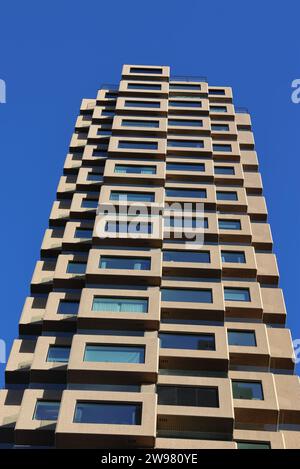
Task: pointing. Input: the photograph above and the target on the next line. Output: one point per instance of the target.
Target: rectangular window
(130, 263)
(104, 132)
(106, 412)
(46, 410)
(233, 256)
(219, 147)
(247, 390)
(179, 222)
(230, 224)
(99, 153)
(228, 195)
(236, 294)
(185, 167)
(188, 396)
(89, 203)
(216, 91)
(224, 170)
(186, 295)
(139, 123)
(253, 445)
(138, 145)
(68, 307)
(142, 86)
(58, 354)
(114, 354)
(241, 338)
(132, 196)
(83, 233)
(218, 108)
(120, 305)
(146, 71)
(186, 256)
(150, 104)
(220, 127)
(184, 86)
(185, 104)
(185, 123)
(94, 177)
(187, 341)
(76, 267)
(185, 143)
(107, 113)
(134, 169)
(192, 193)
(128, 227)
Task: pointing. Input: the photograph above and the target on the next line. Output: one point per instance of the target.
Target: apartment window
(220, 127)
(104, 132)
(178, 222)
(142, 86)
(106, 412)
(185, 86)
(46, 410)
(114, 354)
(128, 227)
(68, 307)
(132, 196)
(185, 103)
(247, 390)
(192, 193)
(218, 109)
(109, 95)
(99, 152)
(228, 195)
(185, 123)
(58, 354)
(253, 445)
(224, 170)
(146, 71)
(120, 305)
(186, 256)
(139, 123)
(94, 177)
(130, 263)
(89, 203)
(230, 224)
(237, 294)
(76, 267)
(83, 233)
(185, 143)
(215, 91)
(186, 295)
(138, 145)
(187, 341)
(107, 113)
(134, 169)
(188, 396)
(241, 338)
(185, 167)
(223, 148)
(151, 104)
(233, 256)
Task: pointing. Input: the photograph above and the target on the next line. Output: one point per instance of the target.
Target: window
(139, 123)
(185, 167)
(233, 256)
(253, 445)
(219, 147)
(193, 193)
(46, 410)
(94, 177)
(105, 412)
(76, 267)
(99, 152)
(242, 338)
(114, 354)
(120, 305)
(134, 169)
(247, 390)
(130, 263)
(150, 104)
(89, 203)
(83, 233)
(185, 123)
(156, 71)
(107, 113)
(132, 196)
(185, 103)
(68, 307)
(185, 143)
(58, 354)
(229, 224)
(188, 396)
(227, 195)
(138, 145)
(236, 294)
(185, 86)
(220, 127)
(142, 86)
(224, 170)
(186, 295)
(187, 341)
(216, 91)
(218, 108)
(103, 132)
(128, 227)
(186, 256)
(179, 222)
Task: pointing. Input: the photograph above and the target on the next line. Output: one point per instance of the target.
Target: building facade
(155, 319)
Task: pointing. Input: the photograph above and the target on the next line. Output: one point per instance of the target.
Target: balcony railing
(109, 86)
(188, 78)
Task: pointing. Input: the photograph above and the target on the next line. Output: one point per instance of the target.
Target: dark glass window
(187, 341)
(185, 86)
(89, 203)
(227, 195)
(139, 123)
(128, 227)
(94, 177)
(218, 108)
(142, 86)
(247, 390)
(131, 263)
(151, 104)
(186, 295)
(138, 145)
(186, 256)
(188, 396)
(220, 127)
(146, 71)
(108, 413)
(132, 196)
(219, 147)
(185, 143)
(46, 410)
(134, 169)
(58, 354)
(83, 233)
(185, 103)
(253, 445)
(185, 123)
(76, 267)
(185, 167)
(233, 256)
(224, 170)
(193, 193)
(68, 307)
(179, 222)
(236, 294)
(242, 338)
(229, 224)
(216, 91)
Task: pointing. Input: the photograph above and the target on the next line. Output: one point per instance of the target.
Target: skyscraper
(155, 319)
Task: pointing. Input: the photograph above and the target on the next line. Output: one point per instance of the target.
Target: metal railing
(109, 86)
(188, 78)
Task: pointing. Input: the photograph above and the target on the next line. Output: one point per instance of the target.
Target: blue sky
(55, 53)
